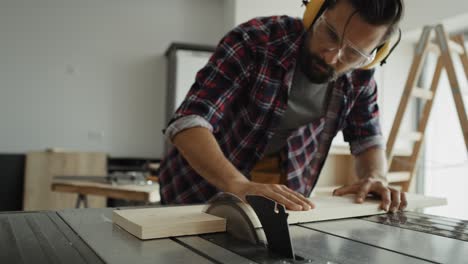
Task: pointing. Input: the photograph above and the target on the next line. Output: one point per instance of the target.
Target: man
(274, 88)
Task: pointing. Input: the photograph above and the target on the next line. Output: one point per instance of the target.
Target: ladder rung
(422, 93)
(398, 176)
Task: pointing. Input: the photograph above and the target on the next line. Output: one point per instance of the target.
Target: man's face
(328, 53)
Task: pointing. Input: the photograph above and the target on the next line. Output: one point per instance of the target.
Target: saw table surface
(89, 236)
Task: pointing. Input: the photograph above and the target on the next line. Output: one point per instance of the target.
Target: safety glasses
(348, 53)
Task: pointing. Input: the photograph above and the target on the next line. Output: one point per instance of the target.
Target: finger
(385, 196)
(363, 191)
(307, 204)
(404, 201)
(396, 200)
(347, 189)
(290, 205)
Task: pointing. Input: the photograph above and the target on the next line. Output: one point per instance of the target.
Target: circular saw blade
(238, 222)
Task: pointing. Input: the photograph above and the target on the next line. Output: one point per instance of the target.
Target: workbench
(89, 236)
(133, 192)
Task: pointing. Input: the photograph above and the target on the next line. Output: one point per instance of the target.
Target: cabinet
(42, 166)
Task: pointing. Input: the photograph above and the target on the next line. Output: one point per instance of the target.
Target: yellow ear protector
(315, 8)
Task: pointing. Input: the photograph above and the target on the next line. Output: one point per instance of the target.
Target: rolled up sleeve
(359, 146)
(184, 123)
(219, 82)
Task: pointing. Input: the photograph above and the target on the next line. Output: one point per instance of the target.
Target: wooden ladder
(402, 169)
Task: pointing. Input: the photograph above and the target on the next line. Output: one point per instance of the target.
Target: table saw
(89, 236)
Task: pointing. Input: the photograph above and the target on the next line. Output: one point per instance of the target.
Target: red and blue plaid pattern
(242, 92)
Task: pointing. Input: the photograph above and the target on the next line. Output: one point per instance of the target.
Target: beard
(315, 68)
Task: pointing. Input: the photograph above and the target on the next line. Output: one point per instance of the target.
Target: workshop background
(92, 76)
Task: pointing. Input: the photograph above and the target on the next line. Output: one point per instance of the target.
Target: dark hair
(377, 12)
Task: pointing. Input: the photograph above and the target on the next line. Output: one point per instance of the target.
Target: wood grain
(148, 223)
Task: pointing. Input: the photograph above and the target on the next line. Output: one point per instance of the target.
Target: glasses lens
(351, 56)
(329, 38)
(325, 36)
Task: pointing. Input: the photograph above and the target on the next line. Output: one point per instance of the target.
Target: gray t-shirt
(306, 103)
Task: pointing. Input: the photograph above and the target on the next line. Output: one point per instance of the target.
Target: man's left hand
(392, 199)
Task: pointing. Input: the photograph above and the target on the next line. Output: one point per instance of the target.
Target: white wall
(91, 74)
(417, 12)
(424, 12)
(244, 10)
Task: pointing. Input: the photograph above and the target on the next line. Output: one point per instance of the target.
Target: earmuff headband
(315, 8)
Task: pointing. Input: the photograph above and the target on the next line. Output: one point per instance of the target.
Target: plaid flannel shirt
(242, 93)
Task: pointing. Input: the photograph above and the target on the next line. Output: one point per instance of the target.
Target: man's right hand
(200, 148)
(280, 193)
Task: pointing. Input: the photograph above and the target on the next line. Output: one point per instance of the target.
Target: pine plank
(149, 223)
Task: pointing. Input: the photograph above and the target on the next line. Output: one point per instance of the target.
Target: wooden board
(329, 207)
(148, 223)
(161, 222)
